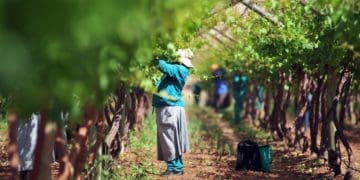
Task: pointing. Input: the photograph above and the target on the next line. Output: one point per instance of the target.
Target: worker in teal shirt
(172, 136)
(239, 92)
(171, 84)
(196, 89)
(259, 96)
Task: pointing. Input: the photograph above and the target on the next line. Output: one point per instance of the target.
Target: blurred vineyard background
(97, 62)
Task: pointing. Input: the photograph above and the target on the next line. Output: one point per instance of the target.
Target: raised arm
(167, 68)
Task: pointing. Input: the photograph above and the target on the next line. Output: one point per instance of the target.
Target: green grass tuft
(145, 139)
(142, 142)
(3, 125)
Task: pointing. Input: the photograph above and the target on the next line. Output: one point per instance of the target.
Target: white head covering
(185, 57)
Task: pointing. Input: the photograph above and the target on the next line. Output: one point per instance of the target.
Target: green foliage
(250, 131)
(3, 125)
(3, 108)
(145, 139)
(205, 134)
(70, 53)
(105, 168)
(142, 171)
(143, 142)
(61, 55)
(320, 33)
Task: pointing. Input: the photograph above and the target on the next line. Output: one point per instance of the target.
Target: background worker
(240, 82)
(221, 89)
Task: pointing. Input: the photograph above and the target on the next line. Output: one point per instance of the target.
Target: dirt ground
(287, 164)
(209, 164)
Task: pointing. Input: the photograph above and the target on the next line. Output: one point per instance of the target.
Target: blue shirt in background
(171, 84)
(221, 86)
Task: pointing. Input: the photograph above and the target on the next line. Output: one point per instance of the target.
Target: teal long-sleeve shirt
(170, 86)
(239, 86)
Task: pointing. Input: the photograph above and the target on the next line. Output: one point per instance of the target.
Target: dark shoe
(179, 172)
(172, 173)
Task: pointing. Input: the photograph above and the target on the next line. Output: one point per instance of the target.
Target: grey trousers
(27, 137)
(172, 135)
